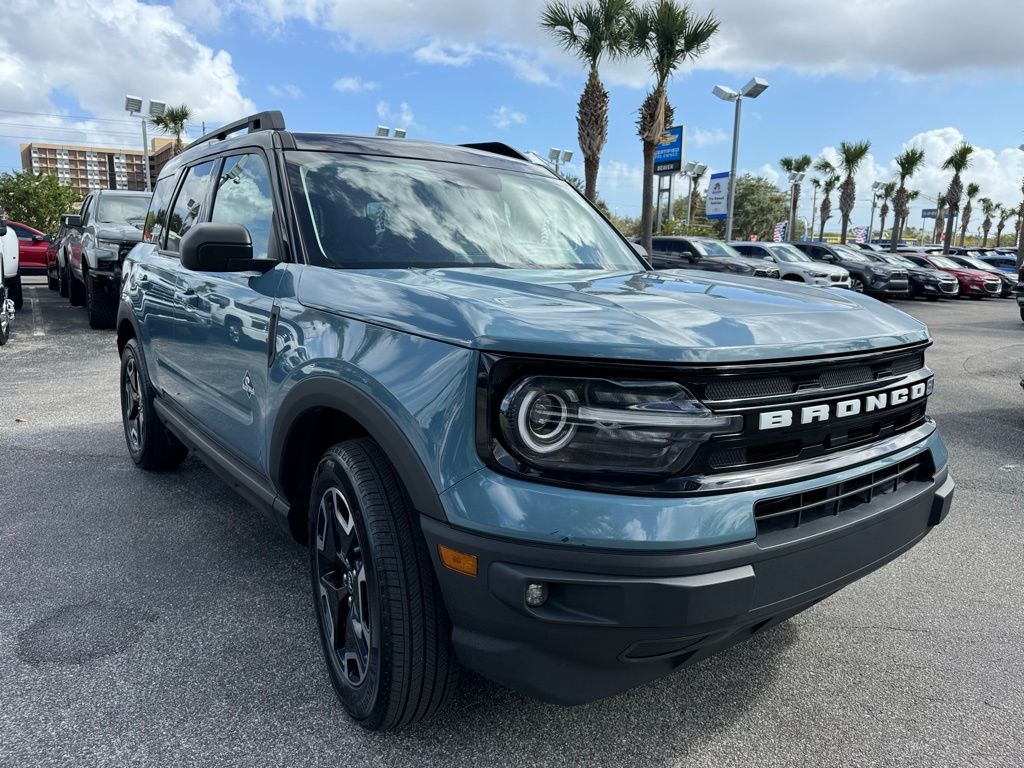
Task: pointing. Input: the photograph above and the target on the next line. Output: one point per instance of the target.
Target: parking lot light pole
(751, 90)
(875, 189)
(133, 106)
(691, 170)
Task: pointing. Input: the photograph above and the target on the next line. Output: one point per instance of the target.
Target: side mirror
(39, 238)
(71, 220)
(220, 248)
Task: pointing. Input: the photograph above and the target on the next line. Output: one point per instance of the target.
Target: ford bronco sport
(504, 438)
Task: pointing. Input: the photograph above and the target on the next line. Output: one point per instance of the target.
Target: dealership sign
(717, 199)
(930, 213)
(668, 155)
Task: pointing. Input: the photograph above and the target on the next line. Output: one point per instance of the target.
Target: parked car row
(9, 262)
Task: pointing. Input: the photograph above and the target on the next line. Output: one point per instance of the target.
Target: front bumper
(885, 287)
(617, 618)
(949, 289)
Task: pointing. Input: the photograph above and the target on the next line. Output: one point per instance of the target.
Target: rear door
(227, 314)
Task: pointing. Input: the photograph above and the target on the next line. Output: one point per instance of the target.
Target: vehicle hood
(820, 266)
(125, 233)
(663, 316)
(925, 272)
(746, 261)
(975, 274)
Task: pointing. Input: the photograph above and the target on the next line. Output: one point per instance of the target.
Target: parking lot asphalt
(158, 620)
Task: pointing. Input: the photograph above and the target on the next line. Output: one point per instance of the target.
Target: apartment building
(87, 168)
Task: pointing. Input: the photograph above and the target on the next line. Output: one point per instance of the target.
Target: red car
(32, 245)
(973, 282)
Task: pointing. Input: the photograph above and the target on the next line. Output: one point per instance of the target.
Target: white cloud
(452, 55)
(287, 90)
(702, 137)
(503, 117)
(355, 84)
(828, 36)
(167, 62)
(403, 117)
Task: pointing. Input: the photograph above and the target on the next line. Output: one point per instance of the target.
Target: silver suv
(795, 265)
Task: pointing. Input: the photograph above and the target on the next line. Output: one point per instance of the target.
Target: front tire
(384, 630)
(150, 445)
(856, 284)
(64, 280)
(53, 283)
(99, 307)
(76, 290)
(15, 292)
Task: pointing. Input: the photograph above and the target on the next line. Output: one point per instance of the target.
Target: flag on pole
(859, 234)
(779, 233)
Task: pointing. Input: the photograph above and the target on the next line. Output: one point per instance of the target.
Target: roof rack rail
(271, 120)
(497, 148)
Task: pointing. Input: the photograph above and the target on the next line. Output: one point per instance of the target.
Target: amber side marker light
(457, 561)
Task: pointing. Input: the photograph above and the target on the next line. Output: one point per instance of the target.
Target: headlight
(817, 274)
(107, 250)
(587, 425)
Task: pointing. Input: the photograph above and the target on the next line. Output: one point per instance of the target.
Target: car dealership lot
(158, 619)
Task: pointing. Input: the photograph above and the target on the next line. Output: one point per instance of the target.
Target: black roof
(490, 155)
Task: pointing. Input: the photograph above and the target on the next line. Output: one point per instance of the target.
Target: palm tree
(851, 155)
(912, 195)
(1005, 214)
(795, 165)
(888, 190)
(827, 184)
(958, 161)
(173, 122)
(908, 161)
(965, 218)
(668, 34)
(988, 208)
(1020, 234)
(590, 31)
(940, 218)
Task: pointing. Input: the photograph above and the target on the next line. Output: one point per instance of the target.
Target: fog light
(536, 595)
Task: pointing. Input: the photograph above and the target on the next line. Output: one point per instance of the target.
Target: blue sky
(457, 70)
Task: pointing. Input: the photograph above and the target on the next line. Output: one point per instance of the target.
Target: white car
(8, 270)
(796, 265)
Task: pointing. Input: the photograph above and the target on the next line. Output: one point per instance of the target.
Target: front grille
(823, 377)
(772, 273)
(836, 278)
(125, 249)
(796, 509)
(950, 287)
(897, 276)
(992, 287)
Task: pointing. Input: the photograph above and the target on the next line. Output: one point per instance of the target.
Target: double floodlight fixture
(751, 90)
(384, 131)
(133, 106)
(693, 168)
(796, 177)
(559, 155)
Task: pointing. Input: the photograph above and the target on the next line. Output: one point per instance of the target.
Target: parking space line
(37, 329)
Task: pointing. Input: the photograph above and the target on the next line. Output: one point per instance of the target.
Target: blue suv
(506, 441)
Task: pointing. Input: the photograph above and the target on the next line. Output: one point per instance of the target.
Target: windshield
(379, 212)
(788, 253)
(940, 261)
(976, 263)
(900, 261)
(122, 209)
(845, 252)
(714, 248)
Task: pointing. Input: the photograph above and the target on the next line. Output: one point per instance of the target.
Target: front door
(226, 317)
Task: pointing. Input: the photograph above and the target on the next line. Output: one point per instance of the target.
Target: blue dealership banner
(717, 199)
(668, 156)
(930, 213)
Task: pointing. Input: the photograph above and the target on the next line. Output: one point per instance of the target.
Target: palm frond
(852, 154)
(959, 159)
(909, 161)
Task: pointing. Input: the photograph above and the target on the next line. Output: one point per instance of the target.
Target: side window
(189, 203)
(156, 217)
(21, 232)
(243, 197)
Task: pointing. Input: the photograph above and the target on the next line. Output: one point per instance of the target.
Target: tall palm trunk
(847, 199)
(900, 209)
(965, 221)
(953, 196)
(986, 227)
(884, 214)
(826, 214)
(592, 125)
(655, 114)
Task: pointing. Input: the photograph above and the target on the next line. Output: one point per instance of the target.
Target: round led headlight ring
(546, 421)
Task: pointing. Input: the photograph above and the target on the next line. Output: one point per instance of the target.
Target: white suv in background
(795, 265)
